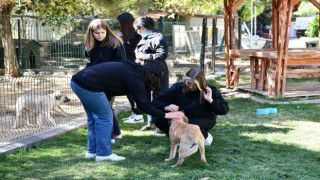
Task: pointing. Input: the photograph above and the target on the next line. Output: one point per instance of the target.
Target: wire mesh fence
(48, 55)
(35, 103)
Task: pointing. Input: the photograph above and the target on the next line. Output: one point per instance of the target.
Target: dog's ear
(185, 119)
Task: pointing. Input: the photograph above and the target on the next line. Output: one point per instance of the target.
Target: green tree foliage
(305, 9)
(54, 7)
(313, 28)
(193, 6)
(244, 11)
(111, 8)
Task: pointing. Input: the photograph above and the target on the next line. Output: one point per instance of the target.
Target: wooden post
(203, 42)
(226, 42)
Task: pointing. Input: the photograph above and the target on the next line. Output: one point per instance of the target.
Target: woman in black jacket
(200, 102)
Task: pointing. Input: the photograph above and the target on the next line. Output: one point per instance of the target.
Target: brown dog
(190, 138)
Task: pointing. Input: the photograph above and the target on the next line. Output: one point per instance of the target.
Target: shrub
(313, 28)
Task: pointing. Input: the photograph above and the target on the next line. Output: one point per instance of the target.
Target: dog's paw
(168, 159)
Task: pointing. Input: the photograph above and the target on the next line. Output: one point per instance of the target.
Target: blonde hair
(110, 40)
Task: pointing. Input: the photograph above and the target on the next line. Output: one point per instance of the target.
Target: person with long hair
(200, 102)
(152, 47)
(102, 45)
(130, 40)
(93, 84)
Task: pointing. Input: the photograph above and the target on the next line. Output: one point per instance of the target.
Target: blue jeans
(100, 122)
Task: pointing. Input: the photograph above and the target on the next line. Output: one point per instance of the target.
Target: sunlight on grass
(301, 134)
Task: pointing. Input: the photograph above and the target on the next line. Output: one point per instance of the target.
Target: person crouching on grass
(93, 84)
(200, 102)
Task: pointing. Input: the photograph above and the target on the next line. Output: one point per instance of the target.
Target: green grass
(246, 146)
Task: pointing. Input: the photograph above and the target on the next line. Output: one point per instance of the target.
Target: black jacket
(105, 54)
(118, 79)
(130, 46)
(189, 102)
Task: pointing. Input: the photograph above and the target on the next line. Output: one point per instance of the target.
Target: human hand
(172, 108)
(174, 115)
(208, 94)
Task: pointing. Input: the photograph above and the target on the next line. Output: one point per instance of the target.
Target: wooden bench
(234, 68)
(298, 57)
(299, 65)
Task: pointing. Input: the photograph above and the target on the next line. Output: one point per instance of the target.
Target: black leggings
(116, 128)
(204, 124)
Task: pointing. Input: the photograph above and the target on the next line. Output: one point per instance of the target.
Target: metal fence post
(214, 42)
(239, 32)
(160, 24)
(203, 42)
(19, 44)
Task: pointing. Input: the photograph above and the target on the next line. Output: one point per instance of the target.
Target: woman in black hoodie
(200, 102)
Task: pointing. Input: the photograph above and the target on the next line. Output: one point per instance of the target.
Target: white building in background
(301, 24)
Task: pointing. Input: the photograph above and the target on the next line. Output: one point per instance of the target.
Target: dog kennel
(30, 54)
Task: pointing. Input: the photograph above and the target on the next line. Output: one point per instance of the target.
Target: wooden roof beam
(315, 3)
(237, 4)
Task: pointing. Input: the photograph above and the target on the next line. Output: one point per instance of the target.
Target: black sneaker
(146, 128)
(158, 132)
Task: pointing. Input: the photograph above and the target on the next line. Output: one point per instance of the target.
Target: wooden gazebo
(262, 61)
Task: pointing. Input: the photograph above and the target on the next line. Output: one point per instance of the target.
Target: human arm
(208, 94)
(161, 47)
(166, 99)
(136, 88)
(130, 46)
(217, 103)
(88, 60)
(153, 48)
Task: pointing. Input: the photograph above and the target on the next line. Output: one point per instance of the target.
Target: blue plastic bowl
(272, 110)
(262, 111)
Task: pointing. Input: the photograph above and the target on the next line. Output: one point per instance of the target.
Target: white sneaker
(118, 137)
(128, 118)
(113, 141)
(112, 157)
(90, 155)
(209, 140)
(135, 119)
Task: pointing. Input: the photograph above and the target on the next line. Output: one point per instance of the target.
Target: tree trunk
(11, 64)
(143, 8)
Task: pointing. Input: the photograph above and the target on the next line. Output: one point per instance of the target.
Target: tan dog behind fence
(39, 106)
(190, 138)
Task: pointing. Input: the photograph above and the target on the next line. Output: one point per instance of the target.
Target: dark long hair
(153, 73)
(199, 77)
(126, 26)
